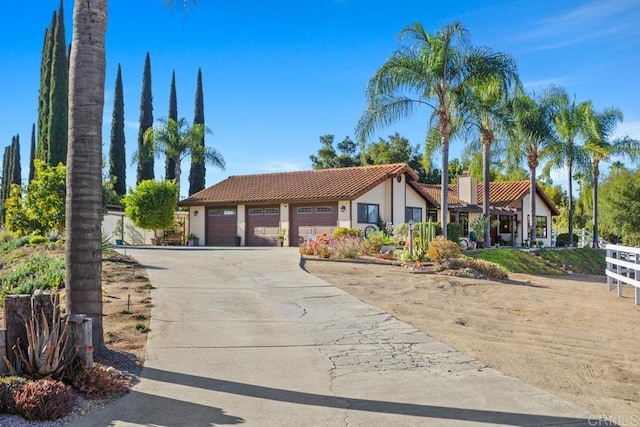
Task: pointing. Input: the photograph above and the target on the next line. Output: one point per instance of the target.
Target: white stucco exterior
(197, 215)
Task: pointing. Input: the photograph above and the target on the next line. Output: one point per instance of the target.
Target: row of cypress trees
(53, 105)
(145, 159)
(11, 172)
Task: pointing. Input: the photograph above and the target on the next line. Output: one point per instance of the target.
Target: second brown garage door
(263, 224)
(312, 219)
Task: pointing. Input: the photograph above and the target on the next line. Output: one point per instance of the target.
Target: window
(432, 214)
(222, 212)
(506, 225)
(305, 210)
(272, 211)
(412, 214)
(368, 213)
(255, 212)
(541, 226)
(323, 209)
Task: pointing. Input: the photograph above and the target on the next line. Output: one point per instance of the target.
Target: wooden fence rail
(623, 266)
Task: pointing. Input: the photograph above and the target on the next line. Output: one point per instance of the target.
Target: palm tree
(570, 121)
(176, 140)
(83, 255)
(531, 135)
(434, 68)
(485, 112)
(600, 148)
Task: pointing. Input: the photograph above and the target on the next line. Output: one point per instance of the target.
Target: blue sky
(279, 74)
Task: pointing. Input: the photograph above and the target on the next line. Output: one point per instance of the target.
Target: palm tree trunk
(596, 173)
(83, 255)
(532, 204)
(570, 190)
(444, 194)
(486, 162)
(177, 173)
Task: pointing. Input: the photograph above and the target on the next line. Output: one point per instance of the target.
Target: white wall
(113, 227)
(197, 215)
(242, 223)
(381, 196)
(399, 199)
(285, 223)
(415, 201)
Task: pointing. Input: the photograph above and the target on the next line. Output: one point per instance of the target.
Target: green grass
(584, 261)
(39, 271)
(548, 261)
(517, 261)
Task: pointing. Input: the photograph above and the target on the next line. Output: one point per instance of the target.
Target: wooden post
(44, 301)
(3, 352)
(80, 336)
(17, 312)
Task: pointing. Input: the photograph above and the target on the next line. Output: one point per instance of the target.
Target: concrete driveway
(245, 336)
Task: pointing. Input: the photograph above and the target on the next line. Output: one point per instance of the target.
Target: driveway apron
(246, 336)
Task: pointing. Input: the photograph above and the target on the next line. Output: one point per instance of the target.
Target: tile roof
(507, 195)
(303, 186)
(433, 193)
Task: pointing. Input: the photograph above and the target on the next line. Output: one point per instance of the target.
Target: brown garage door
(222, 226)
(313, 219)
(263, 223)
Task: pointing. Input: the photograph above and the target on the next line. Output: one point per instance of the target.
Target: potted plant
(280, 236)
(193, 240)
(479, 226)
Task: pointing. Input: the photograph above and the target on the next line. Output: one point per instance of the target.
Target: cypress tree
(59, 96)
(117, 156)
(32, 154)
(170, 164)
(42, 149)
(4, 192)
(197, 172)
(145, 154)
(16, 169)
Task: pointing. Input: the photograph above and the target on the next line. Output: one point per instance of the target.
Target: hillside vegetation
(546, 261)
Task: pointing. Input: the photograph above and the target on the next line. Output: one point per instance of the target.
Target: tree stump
(17, 313)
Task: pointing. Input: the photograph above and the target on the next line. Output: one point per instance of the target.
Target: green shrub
(563, 239)
(454, 231)
(13, 244)
(6, 236)
(44, 399)
(344, 232)
(37, 239)
(484, 268)
(441, 249)
(373, 244)
(8, 385)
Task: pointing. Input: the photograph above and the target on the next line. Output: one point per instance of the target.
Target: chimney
(467, 188)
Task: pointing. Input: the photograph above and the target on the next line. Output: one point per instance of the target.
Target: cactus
(424, 233)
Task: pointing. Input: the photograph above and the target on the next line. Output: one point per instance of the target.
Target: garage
(313, 219)
(263, 224)
(222, 226)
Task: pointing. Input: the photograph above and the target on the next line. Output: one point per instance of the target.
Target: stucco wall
(415, 201)
(379, 195)
(197, 223)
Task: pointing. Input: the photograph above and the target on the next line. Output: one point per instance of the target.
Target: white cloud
(593, 21)
(282, 166)
(631, 129)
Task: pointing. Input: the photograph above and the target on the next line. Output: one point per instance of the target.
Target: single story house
(251, 210)
(508, 203)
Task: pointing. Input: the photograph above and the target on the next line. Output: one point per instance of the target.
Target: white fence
(623, 266)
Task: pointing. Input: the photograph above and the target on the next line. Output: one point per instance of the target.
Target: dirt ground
(563, 334)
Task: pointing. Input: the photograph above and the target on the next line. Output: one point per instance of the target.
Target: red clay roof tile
(303, 186)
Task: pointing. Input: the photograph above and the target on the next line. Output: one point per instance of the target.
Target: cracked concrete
(247, 336)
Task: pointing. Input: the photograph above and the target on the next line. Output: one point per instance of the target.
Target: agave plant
(49, 352)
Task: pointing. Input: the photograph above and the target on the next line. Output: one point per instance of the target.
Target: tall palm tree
(176, 140)
(485, 112)
(531, 135)
(83, 256)
(570, 121)
(600, 148)
(434, 69)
